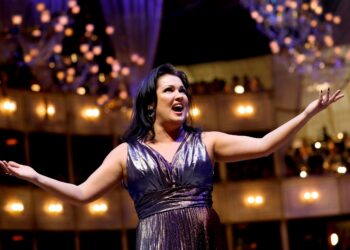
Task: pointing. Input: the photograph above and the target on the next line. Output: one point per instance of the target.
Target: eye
(183, 90)
(168, 89)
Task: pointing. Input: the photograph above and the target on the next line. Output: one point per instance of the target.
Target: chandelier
(301, 32)
(65, 54)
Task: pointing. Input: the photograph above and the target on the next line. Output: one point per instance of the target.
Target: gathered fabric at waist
(172, 198)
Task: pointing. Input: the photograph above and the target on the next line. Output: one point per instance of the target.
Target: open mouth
(178, 107)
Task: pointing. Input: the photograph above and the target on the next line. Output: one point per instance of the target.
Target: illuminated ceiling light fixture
(300, 30)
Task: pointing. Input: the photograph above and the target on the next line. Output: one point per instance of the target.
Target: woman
(167, 166)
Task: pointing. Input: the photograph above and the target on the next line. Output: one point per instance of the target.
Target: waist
(172, 198)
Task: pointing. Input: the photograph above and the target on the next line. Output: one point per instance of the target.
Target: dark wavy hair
(141, 126)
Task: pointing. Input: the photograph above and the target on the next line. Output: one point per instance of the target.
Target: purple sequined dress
(173, 199)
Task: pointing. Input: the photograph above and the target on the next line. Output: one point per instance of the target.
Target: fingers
(328, 99)
(336, 96)
(327, 95)
(5, 167)
(14, 164)
(320, 97)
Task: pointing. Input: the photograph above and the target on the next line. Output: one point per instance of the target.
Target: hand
(323, 101)
(21, 171)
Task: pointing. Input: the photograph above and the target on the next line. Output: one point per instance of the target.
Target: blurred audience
(330, 155)
(217, 85)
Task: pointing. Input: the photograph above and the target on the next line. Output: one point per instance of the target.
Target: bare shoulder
(208, 138)
(119, 154)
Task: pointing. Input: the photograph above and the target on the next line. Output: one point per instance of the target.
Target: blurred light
(40, 7)
(109, 30)
(89, 55)
(195, 112)
(16, 20)
(303, 174)
(81, 91)
(97, 50)
(125, 71)
(90, 113)
(72, 3)
(334, 239)
(53, 208)
(298, 30)
(14, 207)
(310, 197)
(239, 89)
(341, 170)
(101, 77)
(74, 58)
(35, 87)
(254, 200)
(123, 95)
(69, 32)
(57, 48)
(45, 16)
(11, 142)
(98, 208)
(45, 110)
(63, 20)
(59, 27)
(36, 32)
(17, 237)
(245, 111)
(94, 69)
(76, 9)
(340, 136)
(27, 58)
(89, 27)
(8, 106)
(84, 47)
(317, 145)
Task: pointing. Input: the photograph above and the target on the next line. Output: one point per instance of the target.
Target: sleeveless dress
(173, 199)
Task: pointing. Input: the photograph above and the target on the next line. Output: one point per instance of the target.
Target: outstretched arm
(103, 179)
(234, 148)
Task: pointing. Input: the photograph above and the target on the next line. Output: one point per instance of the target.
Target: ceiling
(196, 31)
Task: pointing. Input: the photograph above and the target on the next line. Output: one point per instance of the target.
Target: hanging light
(299, 30)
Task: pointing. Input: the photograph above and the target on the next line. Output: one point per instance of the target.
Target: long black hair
(141, 126)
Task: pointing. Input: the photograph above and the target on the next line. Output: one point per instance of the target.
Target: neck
(168, 135)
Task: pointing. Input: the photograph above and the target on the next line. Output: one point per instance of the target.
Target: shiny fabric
(173, 199)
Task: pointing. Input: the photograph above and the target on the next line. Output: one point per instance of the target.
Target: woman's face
(172, 101)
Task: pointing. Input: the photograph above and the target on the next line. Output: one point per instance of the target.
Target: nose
(179, 95)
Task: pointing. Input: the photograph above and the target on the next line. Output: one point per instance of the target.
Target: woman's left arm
(227, 147)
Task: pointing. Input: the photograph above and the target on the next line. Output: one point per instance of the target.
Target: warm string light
(90, 70)
(302, 30)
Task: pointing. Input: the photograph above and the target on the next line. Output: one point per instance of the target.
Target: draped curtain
(137, 25)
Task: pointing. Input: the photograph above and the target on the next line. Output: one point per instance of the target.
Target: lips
(179, 107)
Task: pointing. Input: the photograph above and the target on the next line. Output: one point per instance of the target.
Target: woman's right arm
(99, 182)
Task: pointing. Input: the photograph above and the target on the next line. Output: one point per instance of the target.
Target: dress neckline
(161, 156)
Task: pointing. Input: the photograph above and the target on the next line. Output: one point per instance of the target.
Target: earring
(150, 110)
